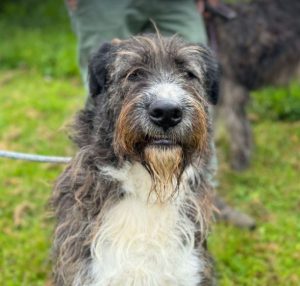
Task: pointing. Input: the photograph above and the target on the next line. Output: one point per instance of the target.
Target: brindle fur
(83, 193)
(258, 48)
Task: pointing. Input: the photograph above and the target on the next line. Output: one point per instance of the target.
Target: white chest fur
(144, 244)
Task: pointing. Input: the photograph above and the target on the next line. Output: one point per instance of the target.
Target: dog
(260, 47)
(133, 207)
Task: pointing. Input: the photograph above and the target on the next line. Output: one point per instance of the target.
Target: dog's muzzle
(164, 117)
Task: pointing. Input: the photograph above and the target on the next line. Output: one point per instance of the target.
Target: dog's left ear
(97, 70)
(211, 76)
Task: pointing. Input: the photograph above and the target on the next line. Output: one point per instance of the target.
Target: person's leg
(96, 22)
(179, 17)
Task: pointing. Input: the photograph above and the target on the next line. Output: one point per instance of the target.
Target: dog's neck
(134, 179)
(142, 241)
(136, 182)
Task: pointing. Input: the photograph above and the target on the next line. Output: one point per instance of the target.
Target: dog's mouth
(161, 141)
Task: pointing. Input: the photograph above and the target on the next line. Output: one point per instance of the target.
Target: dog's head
(155, 93)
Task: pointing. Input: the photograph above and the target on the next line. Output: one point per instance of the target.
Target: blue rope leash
(34, 157)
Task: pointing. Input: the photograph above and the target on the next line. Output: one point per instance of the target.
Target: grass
(269, 191)
(40, 89)
(33, 113)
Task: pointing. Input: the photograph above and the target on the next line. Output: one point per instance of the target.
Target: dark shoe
(232, 216)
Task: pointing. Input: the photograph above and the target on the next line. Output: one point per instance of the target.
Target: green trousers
(99, 21)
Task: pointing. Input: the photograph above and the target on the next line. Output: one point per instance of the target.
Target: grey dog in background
(134, 205)
(260, 47)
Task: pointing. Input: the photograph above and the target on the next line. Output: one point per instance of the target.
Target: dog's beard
(165, 166)
(164, 163)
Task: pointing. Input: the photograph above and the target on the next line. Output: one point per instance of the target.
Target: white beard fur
(141, 243)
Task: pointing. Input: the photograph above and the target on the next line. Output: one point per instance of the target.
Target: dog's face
(156, 91)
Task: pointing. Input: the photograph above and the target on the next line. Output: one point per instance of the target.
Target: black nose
(165, 113)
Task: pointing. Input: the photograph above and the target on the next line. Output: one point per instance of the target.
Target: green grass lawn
(40, 90)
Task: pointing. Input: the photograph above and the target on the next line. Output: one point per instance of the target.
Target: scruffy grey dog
(260, 47)
(133, 207)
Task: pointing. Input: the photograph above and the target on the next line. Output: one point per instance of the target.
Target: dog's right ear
(97, 70)
(212, 75)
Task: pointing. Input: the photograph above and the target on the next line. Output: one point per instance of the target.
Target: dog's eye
(189, 75)
(136, 75)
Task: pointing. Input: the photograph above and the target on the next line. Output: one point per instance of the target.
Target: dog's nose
(165, 113)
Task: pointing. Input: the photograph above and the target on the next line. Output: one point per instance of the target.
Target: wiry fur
(258, 48)
(130, 212)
